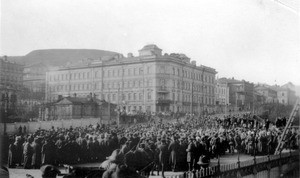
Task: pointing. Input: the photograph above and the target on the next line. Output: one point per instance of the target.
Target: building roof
(228, 80)
(150, 46)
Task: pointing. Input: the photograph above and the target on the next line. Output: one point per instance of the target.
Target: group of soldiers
(178, 146)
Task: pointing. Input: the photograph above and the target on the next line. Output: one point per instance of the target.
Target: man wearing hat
(28, 152)
(37, 153)
(191, 154)
(174, 149)
(163, 155)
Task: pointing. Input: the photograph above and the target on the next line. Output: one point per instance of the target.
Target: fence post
(280, 167)
(219, 167)
(269, 165)
(238, 174)
(254, 159)
(290, 159)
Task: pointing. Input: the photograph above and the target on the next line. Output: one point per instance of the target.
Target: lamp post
(5, 100)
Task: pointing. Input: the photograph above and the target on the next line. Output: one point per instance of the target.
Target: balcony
(162, 89)
(163, 101)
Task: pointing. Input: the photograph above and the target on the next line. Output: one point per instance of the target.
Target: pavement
(225, 159)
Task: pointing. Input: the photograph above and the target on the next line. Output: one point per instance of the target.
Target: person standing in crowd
(20, 130)
(96, 149)
(24, 129)
(37, 154)
(173, 148)
(267, 124)
(90, 149)
(12, 154)
(28, 152)
(163, 156)
(191, 154)
(103, 147)
(48, 152)
(59, 149)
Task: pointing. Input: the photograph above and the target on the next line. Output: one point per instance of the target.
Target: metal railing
(251, 167)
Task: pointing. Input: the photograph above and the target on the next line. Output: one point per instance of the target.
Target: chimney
(60, 97)
(5, 58)
(74, 95)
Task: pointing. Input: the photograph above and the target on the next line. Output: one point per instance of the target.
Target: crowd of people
(182, 145)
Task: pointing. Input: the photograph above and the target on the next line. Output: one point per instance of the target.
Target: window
(149, 96)
(283, 95)
(129, 72)
(129, 96)
(134, 96)
(140, 96)
(162, 69)
(130, 84)
(135, 71)
(141, 70)
(173, 71)
(108, 97)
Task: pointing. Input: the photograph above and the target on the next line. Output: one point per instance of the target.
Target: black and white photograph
(149, 88)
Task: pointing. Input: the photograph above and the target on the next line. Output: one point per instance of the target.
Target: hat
(49, 171)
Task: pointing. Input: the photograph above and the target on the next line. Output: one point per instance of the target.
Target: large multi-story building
(240, 93)
(270, 95)
(149, 82)
(286, 94)
(222, 96)
(11, 81)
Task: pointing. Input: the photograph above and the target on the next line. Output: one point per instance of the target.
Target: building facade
(270, 95)
(222, 96)
(11, 81)
(286, 96)
(240, 94)
(149, 82)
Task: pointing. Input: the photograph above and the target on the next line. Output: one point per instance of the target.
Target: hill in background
(59, 57)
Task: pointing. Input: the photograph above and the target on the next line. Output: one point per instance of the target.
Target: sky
(254, 40)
